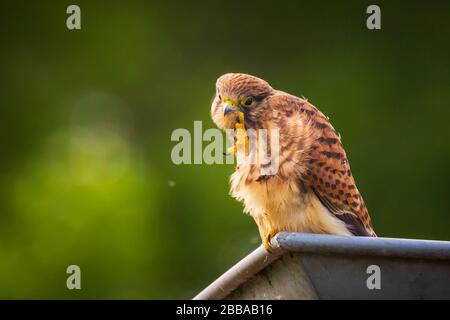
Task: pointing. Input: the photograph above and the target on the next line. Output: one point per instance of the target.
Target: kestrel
(313, 190)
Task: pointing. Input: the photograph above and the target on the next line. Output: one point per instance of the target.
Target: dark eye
(247, 101)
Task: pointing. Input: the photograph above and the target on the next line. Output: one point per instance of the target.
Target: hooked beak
(227, 108)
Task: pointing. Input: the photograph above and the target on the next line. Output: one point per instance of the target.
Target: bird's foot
(241, 139)
(268, 238)
(241, 118)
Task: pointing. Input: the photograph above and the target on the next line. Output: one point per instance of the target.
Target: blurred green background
(86, 116)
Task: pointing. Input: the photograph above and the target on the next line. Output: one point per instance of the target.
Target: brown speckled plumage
(313, 190)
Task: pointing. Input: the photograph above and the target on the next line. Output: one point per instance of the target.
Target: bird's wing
(329, 175)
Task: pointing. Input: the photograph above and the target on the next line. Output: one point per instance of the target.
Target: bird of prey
(313, 190)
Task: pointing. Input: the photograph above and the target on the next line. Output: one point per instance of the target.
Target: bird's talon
(266, 243)
(268, 238)
(241, 117)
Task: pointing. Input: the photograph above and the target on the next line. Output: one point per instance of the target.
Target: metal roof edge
(371, 246)
(284, 242)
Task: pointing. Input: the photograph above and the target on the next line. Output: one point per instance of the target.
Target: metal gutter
(368, 246)
(346, 249)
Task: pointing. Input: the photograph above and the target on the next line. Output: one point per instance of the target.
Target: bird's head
(238, 92)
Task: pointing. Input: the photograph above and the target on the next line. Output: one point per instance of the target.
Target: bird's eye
(247, 102)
